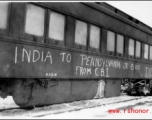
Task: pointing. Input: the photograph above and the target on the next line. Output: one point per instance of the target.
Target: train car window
(138, 49)
(120, 44)
(131, 48)
(3, 14)
(34, 23)
(81, 33)
(110, 41)
(94, 36)
(56, 26)
(150, 53)
(146, 50)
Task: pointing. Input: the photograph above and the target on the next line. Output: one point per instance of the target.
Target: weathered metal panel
(52, 95)
(27, 61)
(143, 70)
(64, 91)
(89, 66)
(83, 89)
(113, 87)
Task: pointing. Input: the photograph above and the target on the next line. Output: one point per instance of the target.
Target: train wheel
(22, 93)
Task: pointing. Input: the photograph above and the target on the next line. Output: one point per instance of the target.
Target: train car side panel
(25, 61)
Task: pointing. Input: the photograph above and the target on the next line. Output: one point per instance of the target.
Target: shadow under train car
(137, 87)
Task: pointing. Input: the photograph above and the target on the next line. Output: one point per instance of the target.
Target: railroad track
(64, 107)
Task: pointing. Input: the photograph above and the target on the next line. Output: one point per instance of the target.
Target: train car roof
(115, 12)
(123, 14)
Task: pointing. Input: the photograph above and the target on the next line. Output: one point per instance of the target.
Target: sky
(141, 10)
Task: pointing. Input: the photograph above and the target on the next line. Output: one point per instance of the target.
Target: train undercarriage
(137, 86)
(39, 92)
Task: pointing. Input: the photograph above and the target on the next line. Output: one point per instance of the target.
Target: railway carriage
(52, 52)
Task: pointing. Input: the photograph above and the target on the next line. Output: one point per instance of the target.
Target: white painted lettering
(48, 55)
(96, 72)
(132, 66)
(16, 55)
(62, 56)
(107, 72)
(27, 54)
(102, 72)
(84, 57)
(36, 51)
(68, 58)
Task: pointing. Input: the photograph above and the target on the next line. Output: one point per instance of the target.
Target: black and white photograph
(76, 59)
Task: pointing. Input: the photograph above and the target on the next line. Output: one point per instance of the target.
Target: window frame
(6, 31)
(148, 52)
(150, 46)
(89, 35)
(78, 46)
(119, 54)
(55, 41)
(130, 56)
(111, 52)
(138, 58)
(31, 37)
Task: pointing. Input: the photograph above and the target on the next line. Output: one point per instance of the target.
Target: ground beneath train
(128, 107)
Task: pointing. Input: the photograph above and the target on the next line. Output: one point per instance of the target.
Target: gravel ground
(101, 112)
(96, 108)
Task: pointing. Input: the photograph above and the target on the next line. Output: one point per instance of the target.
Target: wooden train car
(52, 52)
